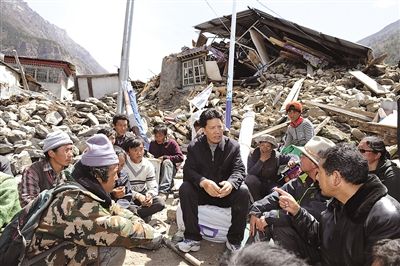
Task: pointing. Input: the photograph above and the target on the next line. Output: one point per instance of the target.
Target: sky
(162, 27)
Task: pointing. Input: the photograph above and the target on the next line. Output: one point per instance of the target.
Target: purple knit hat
(100, 152)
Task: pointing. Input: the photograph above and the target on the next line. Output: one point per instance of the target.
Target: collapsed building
(277, 60)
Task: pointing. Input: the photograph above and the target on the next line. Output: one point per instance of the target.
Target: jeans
(191, 197)
(111, 256)
(167, 173)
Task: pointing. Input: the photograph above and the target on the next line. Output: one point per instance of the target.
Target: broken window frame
(193, 71)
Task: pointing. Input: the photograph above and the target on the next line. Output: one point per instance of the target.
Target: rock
(334, 134)
(35, 154)
(6, 148)
(92, 119)
(16, 135)
(357, 134)
(24, 115)
(20, 161)
(21, 145)
(41, 131)
(8, 116)
(53, 118)
(13, 124)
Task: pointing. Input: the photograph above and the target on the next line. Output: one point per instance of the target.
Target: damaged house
(261, 41)
(56, 76)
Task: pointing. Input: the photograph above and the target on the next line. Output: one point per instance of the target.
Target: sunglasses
(364, 151)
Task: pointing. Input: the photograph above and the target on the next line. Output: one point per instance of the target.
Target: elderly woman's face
(265, 146)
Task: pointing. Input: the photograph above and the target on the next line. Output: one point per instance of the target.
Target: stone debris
(26, 119)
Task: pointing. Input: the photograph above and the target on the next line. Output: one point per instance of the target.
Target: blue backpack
(17, 235)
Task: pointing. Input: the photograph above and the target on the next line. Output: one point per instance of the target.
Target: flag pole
(229, 84)
(124, 67)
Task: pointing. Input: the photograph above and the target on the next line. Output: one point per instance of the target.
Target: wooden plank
(90, 86)
(371, 84)
(339, 110)
(212, 70)
(271, 129)
(259, 43)
(277, 97)
(388, 133)
(293, 94)
(308, 49)
(321, 125)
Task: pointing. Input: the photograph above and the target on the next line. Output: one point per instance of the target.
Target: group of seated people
(341, 204)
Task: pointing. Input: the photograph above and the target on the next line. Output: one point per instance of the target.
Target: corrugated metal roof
(342, 51)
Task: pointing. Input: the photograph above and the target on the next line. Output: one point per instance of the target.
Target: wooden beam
(371, 84)
(321, 125)
(90, 86)
(271, 129)
(339, 110)
(293, 94)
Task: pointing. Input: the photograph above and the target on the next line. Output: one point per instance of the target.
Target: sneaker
(232, 247)
(188, 245)
(178, 237)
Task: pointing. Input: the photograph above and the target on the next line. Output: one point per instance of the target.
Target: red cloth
(297, 122)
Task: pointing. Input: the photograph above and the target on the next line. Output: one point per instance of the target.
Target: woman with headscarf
(374, 151)
(262, 167)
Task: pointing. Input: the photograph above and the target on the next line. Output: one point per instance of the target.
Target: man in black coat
(213, 174)
(360, 214)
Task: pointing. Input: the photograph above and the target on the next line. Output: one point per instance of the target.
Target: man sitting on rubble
(168, 151)
(84, 223)
(141, 176)
(268, 220)
(263, 165)
(48, 172)
(360, 214)
(121, 127)
(213, 174)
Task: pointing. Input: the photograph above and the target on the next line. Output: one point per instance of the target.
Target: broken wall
(170, 78)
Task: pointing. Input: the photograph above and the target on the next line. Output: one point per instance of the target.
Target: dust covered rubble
(25, 119)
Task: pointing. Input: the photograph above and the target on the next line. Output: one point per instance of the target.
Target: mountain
(386, 41)
(24, 30)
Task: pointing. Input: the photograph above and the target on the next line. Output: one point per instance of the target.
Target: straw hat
(314, 146)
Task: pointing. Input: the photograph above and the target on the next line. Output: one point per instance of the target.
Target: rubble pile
(334, 86)
(25, 119)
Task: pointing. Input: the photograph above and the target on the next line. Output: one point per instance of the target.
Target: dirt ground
(209, 254)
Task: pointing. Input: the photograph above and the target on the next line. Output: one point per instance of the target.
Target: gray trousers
(167, 173)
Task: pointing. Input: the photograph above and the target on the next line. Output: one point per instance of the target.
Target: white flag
(201, 99)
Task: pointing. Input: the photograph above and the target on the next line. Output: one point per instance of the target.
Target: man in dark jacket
(213, 174)
(360, 214)
(266, 215)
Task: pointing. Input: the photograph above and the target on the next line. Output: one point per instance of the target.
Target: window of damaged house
(30, 71)
(54, 75)
(41, 74)
(48, 75)
(193, 71)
